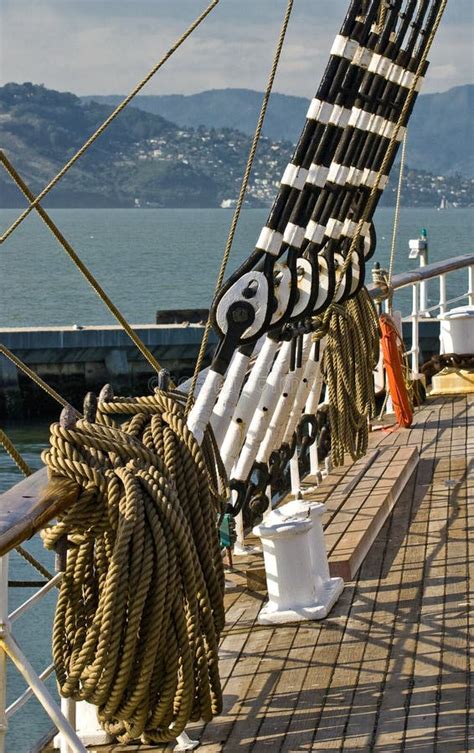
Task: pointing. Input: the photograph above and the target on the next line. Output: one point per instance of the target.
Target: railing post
(470, 294)
(3, 655)
(442, 295)
(415, 339)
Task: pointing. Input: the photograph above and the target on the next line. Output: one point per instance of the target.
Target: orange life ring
(392, 349)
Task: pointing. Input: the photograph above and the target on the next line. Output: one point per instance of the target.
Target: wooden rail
(30, 505)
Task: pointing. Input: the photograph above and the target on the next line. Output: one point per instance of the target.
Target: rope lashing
(77, 261)
(140, 608)
(110, 119)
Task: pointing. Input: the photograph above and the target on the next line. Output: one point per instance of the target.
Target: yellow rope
(15, 455)
(350, 356)
(242, 192)
(35, 378)
(140, 608)
(109, 120)
(146, 353)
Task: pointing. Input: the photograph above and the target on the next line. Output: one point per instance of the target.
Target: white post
(3, 655)
(423, 285)
(314, 470)
(470, 294)
(68, 707)
(298, 580)
(415, 340)
(442, 295)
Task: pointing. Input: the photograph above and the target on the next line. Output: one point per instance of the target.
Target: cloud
(106, 46)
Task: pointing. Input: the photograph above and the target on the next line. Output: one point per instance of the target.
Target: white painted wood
(229, 395)
(249, 398)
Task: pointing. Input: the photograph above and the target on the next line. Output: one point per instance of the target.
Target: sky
(106, 46)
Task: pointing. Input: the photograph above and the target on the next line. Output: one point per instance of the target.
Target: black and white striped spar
(359, 115)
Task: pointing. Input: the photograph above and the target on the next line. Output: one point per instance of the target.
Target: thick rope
(110, 119)
(146, 353)
(15, 455)
(350, 356)
(140, 608)
(34, 377)
(240, 200)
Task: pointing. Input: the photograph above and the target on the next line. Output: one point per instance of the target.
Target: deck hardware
(297, 571)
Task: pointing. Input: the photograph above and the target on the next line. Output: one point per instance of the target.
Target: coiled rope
(140, 608)
(350, 356)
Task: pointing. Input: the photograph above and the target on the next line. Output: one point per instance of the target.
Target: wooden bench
(355, 517)
(359, 498)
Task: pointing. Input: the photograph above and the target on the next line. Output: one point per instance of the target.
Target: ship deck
(388, 670)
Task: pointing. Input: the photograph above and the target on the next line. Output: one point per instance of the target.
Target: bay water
(146, 260)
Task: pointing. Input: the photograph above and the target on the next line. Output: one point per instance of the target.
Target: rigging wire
(396, 216)
(242, 192)
(146, 353)
(35, 201)
(35, 378)
(388, 154)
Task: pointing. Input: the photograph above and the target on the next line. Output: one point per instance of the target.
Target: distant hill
(144, 160)
(441, 138)
(140, 160)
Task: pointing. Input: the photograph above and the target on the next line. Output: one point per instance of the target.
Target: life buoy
(392, 349)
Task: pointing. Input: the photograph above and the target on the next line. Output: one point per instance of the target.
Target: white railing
(10, 649)
(417, 280)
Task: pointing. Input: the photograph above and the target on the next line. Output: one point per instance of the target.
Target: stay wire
(109, 120)
(146, 353)
(240, 200)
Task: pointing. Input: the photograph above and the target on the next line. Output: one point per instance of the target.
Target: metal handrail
(428, 272)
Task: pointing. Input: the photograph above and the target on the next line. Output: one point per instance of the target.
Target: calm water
(162, 258)
(145, 260)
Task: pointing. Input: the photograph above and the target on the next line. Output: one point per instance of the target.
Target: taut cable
(109, 120)
(146, 353)
(240, 200)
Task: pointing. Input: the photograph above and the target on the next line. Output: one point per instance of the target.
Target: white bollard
(298, 581)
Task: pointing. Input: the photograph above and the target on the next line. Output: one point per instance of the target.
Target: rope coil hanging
(140, 608)
(350, 356)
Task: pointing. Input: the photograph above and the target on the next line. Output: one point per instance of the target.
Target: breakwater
(76, 360)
